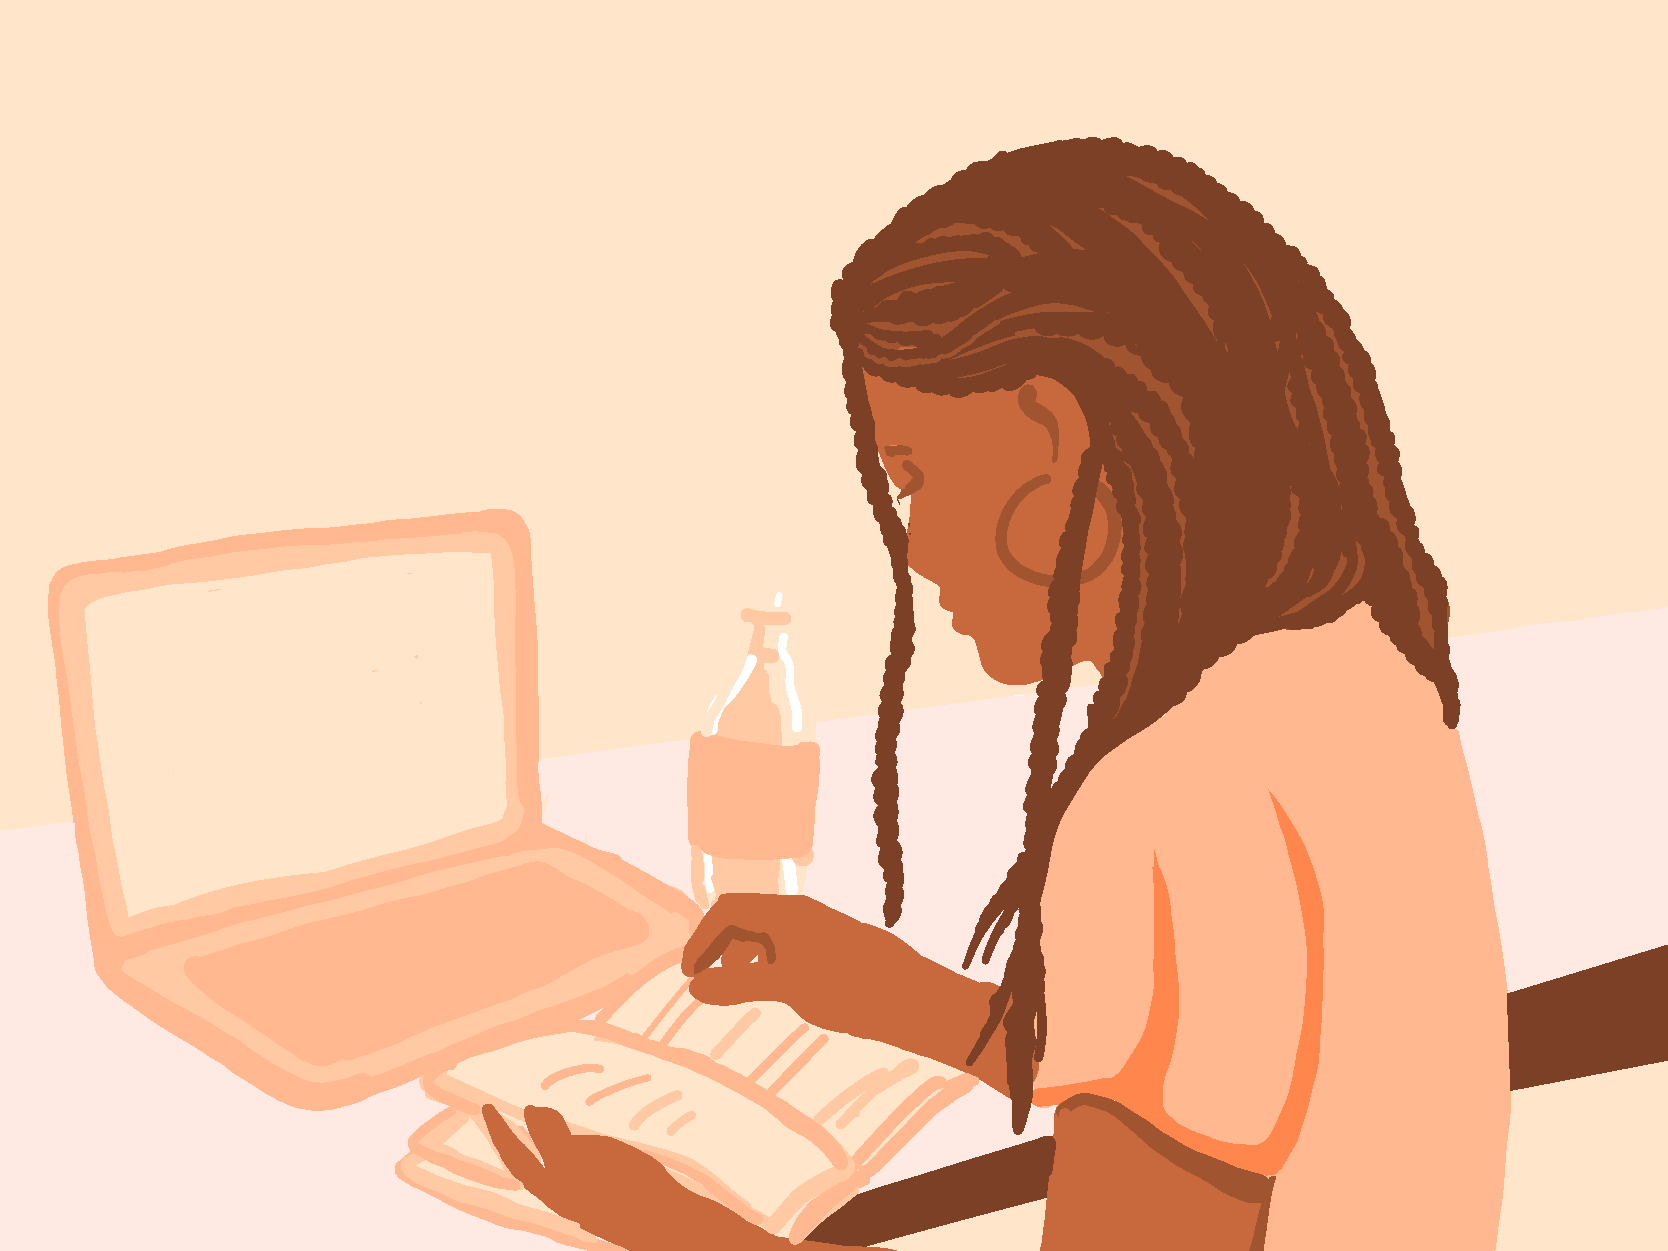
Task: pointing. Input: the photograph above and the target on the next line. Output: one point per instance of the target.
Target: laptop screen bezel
(501, 535)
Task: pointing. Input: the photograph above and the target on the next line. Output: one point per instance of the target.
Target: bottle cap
(759, 620)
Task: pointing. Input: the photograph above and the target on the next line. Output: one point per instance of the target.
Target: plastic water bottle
(753, 770)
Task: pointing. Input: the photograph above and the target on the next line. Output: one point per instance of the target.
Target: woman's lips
(956, 623)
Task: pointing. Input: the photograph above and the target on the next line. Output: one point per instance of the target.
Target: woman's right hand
(840, 974)
(834, 971)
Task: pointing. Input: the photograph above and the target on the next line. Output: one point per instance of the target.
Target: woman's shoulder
(1274, 702)
(1285, 687)
(1349, 662)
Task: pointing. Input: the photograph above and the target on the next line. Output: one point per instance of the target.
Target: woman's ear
(1053, 407)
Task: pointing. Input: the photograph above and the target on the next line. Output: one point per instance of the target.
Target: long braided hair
(1232, 414)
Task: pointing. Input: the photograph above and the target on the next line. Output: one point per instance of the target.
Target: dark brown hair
(1231, 411)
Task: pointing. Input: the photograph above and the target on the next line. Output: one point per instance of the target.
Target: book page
(649, 1002)
(775, 1118)
(738, 1147)
(513, 1209)
(860, 1090)
(459, 1142)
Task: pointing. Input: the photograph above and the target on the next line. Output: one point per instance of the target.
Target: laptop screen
(295, 721)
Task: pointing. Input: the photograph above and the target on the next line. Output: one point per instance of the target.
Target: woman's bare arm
(939, 1013)
(841, 974)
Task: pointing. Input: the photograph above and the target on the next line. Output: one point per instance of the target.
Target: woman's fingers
(524, 1166)
(745, 951)
(549, 1131)
(752, 916)
(728, 984)
(718, 944)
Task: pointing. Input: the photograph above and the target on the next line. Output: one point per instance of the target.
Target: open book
(776, 1119)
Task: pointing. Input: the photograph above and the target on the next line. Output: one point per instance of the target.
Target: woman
(1255, 964)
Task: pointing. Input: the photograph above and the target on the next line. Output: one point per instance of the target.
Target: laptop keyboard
(347, 986)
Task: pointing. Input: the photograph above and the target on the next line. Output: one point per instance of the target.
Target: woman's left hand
(613, 1190)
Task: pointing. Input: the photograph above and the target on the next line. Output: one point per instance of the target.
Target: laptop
(304, 773)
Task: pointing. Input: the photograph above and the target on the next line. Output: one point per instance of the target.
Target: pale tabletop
(123, 1136)
(120, 1135)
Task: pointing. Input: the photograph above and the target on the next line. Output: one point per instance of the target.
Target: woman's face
(959, 463)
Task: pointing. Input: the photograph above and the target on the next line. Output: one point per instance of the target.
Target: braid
(1019, 1000)
(1018, 1004)
(902, 648)
(1383, 514)
(1064, 592)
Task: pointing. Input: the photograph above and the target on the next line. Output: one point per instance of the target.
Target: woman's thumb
(731, 983)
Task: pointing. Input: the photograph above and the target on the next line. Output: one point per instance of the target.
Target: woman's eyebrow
(897, 449)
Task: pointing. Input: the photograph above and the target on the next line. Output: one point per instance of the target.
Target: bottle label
(752, 801)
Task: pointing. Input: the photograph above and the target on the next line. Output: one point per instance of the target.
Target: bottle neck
(763, 696)
(785, 687)
(767, 629)
(766, 643)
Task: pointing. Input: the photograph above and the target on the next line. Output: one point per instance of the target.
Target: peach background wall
(311, 264)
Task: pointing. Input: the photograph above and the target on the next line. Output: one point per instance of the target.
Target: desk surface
(121, 1134)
